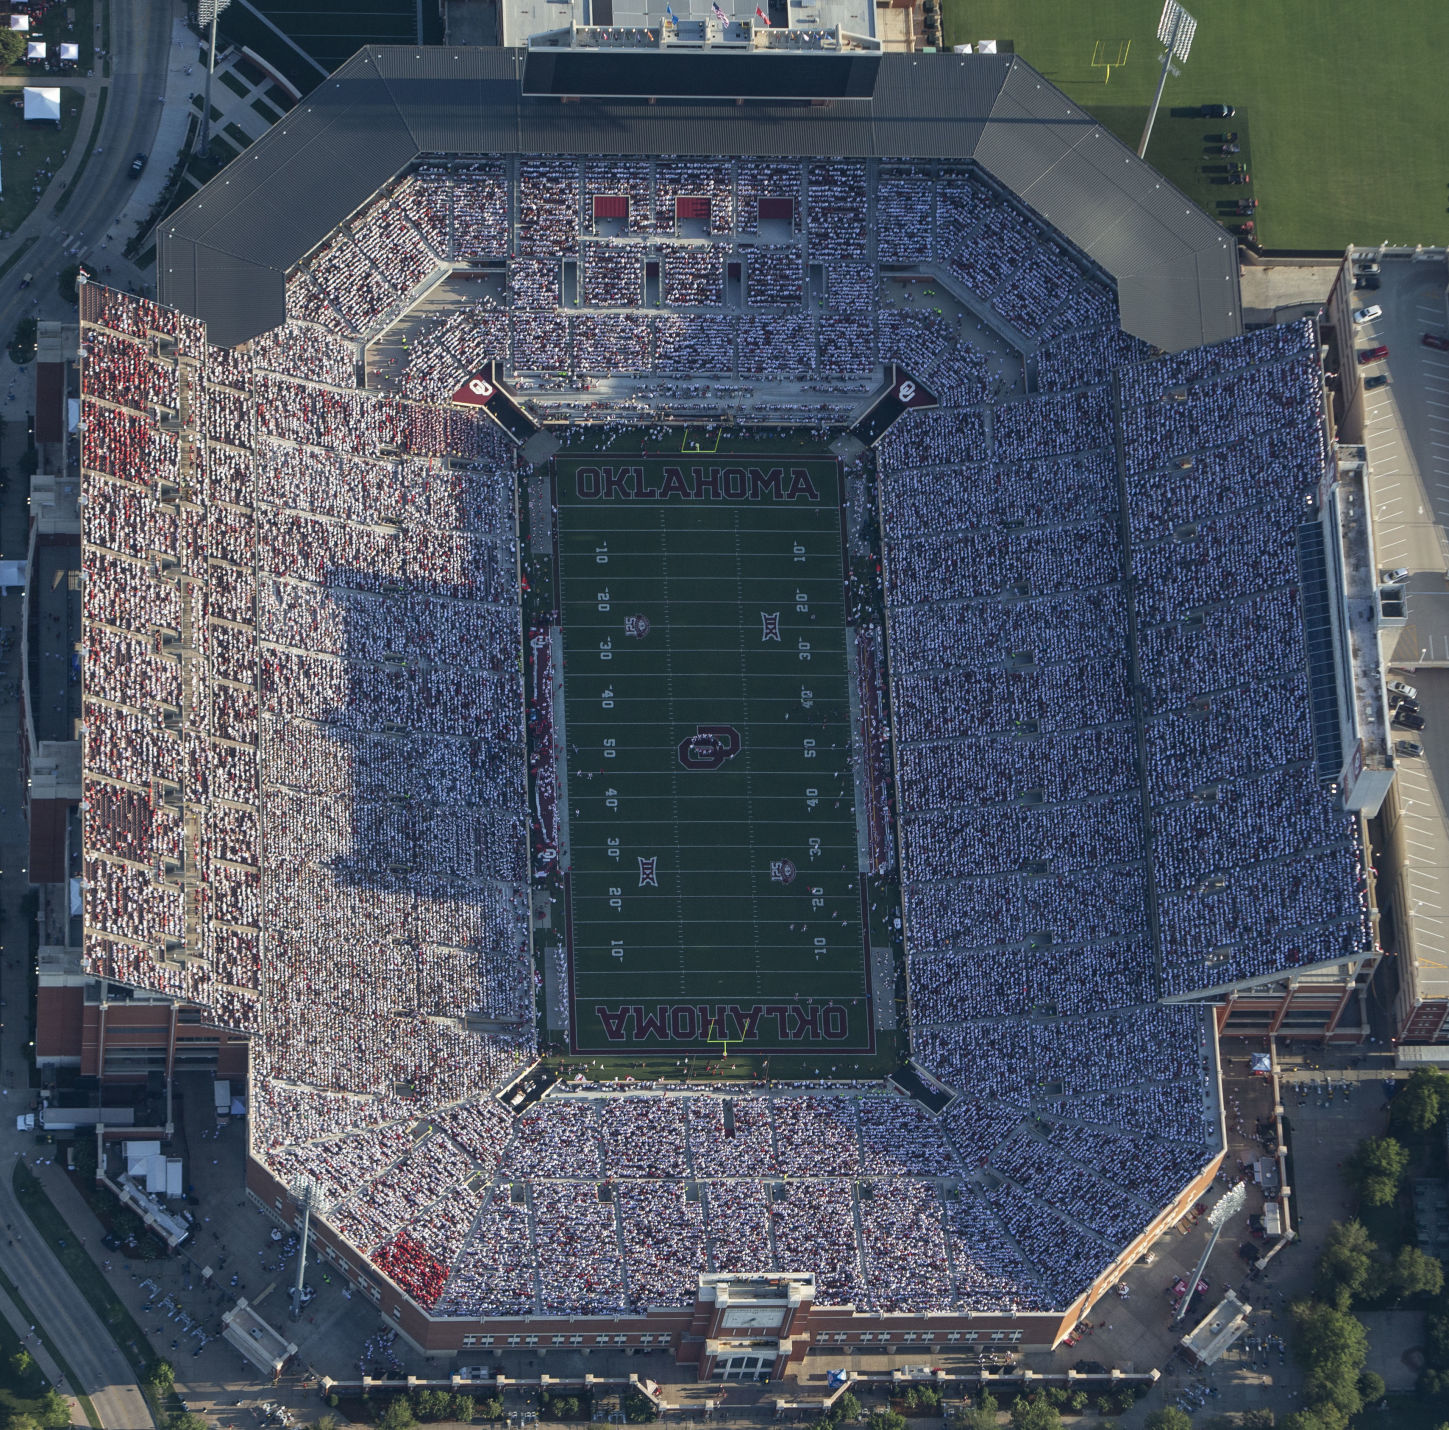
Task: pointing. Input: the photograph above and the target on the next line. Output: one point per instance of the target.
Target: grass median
(87, 1276)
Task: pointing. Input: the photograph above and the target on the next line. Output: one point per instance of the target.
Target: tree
(846, 1407)
(398, 1415)
(53, 1412)
(1371, 1386)
(885, 1420)
(1318, 1417)
(160, 1379)
(1420, 1102)
(1259, 1419)
(462, 1406)
(434, 1404)
(1169, 1418)
(1331, 1346)
(12, 47)
(179, 1420)
(20, 1364)
(1035, 1414)
(1416, 1273)
(1348, 1258)
(1376, 1168)
(22, 342)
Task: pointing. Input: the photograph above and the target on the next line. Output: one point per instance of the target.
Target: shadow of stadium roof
(223, 255)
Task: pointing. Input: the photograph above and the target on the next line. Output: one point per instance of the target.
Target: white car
(1367, 315)
(1398, 687)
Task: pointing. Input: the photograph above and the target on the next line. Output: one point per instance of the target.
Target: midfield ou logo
(484, 390)
(906, 391)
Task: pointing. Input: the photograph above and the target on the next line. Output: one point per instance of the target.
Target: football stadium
(724, 668)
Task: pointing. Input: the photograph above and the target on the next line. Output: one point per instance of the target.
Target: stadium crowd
(340, 682)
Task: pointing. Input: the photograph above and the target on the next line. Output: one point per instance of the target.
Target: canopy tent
(35, 50)
(70, 52)
(42, 104)
(20, 22)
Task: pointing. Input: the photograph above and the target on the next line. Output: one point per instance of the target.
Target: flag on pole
(719, 14)
(761, 15)
(673, 18)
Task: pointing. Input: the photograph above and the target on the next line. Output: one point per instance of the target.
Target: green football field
(714, 886)
(1344, 102)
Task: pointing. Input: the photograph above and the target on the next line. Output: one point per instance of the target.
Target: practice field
(715, 895)
(1349, 129)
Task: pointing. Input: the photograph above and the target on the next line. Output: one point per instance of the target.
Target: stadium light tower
(207, 11)
(307, 1195)
(1175, 29)
(1221, 1212)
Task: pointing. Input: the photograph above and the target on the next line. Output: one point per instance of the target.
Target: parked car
(1400, 687)
(1368, 355)
(1367, 315)
(1408, 719)
(1412, 748)
(1436, 340)
(1217, 111)
(137, 164)
(1366, 266)
(1379, 379)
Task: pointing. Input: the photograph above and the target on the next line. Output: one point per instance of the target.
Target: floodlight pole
(210, 66)
(1171, 40)
(1218, 1217)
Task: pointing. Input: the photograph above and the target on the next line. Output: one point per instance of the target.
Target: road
(141, 45)
(140, 54)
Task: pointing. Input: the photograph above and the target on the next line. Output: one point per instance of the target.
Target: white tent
(20, 22)
(70, 52)
(42, 104)
(35, 50)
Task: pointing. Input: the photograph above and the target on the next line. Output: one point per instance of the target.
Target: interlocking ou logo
(709, 747)
(770, 624)
(906, 391)
(649, 873)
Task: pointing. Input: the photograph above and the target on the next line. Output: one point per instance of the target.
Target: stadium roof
(223, 256)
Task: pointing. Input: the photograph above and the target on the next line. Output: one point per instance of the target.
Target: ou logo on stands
(479, 388)
(906, 390)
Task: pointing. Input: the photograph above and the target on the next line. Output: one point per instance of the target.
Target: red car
(1436, 340)
(1373, 354)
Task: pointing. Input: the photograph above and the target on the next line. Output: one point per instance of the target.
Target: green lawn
(1350, 135)
(715, 887)
(31, 154)
(54, 29)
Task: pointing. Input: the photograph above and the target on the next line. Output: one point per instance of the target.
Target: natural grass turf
(718, 930)
(1350, 135)
(30, 149)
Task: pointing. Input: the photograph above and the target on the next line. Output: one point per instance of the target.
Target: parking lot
(1405, 428)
